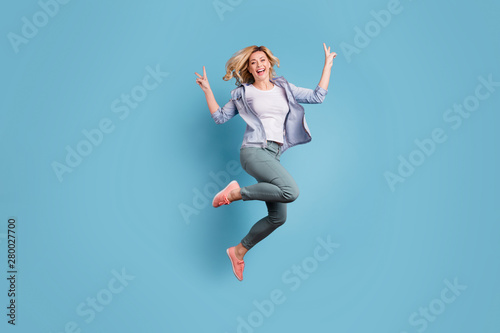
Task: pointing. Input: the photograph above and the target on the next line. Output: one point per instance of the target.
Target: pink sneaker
(221, 197)
(238, 265)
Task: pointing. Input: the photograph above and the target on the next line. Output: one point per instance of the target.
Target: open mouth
(261, 71)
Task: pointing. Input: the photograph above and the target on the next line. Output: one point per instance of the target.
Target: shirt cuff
(216, 116)
(322, 91)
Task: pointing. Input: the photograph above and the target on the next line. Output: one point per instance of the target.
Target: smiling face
(259, 66)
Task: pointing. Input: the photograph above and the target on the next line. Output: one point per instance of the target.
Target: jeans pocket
(270, 151)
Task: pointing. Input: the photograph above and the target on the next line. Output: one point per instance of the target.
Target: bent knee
(291, 193)
(277, 221)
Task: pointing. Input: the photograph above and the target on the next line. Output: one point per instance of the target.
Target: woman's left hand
(329, 56)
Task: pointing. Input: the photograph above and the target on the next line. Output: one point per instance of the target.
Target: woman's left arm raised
(325, 76)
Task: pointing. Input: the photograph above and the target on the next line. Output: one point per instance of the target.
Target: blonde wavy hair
(237, 65)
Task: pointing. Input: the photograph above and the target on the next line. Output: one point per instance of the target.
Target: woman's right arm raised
(209, 95)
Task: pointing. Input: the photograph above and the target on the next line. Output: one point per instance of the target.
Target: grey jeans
(275, 186)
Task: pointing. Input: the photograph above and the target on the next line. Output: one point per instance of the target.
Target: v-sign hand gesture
(329, 56)
(202, 81)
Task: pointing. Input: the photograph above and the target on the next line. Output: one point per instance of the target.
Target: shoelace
(238, 261)
(225, 201)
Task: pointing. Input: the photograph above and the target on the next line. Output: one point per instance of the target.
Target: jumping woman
(275, 122)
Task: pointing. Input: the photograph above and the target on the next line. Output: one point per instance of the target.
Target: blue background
(120, 208)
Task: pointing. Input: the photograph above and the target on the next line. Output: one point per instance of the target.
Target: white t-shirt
(271, 107)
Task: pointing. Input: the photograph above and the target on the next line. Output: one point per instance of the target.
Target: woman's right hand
(202, 81)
